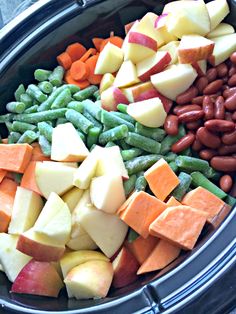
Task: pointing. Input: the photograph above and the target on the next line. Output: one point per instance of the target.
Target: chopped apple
(111, 97)
(40, 247)
(133, 92)
(109, 60)
(224, 46)
(58, 179)
(106, 82)
(150, 112)
(11, 259)
(200, 66)
(193, 48)
(128, 27)
(38, 278)
(221, 30)
(152, 65)
(91, 279)
(26, 208)
(72, 197)
(127, 75)
(61, 163)
(125, 268)
(175, 80)
(54, 220)
(171, 47)
(217, 9)
(107, 192)
(108, 231)
(160, 26)
(67, 144)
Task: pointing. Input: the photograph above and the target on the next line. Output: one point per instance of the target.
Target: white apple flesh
(218, 10)
(127, 75)
(111, 97)
(106, 82)
(221, 30)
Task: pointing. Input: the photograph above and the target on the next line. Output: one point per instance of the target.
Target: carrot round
(97, 42)
(115, 40)
(83, 84)
(75, 51)
(79, 70)
(91, 63)
(90, 52)
(64, 60)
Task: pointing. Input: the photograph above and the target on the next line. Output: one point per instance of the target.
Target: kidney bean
(232, 80)
(217, 125)
(233, 116)
(197, 100)
(186, 108)
(223, 163)
(193, 125)
(208, 108)
(229, 138)
(230, 102)
(207, 138)
(171, 125)
(214, 96)
(197, 145)
(207, 153)
(211, 74)
(222, 70)
(229, 92)
(201, 83)
(191, 116)
(232, 70)
(183, 143)
(219, 109)
(224, 87)
(227, 149)
(213, 87)
(228, 116)
(187, 96)
(233, 57)
(225, 80)
(226, 183)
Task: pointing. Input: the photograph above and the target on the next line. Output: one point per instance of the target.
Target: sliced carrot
(126, 203)
(83, 84)
(88, 53)
(7, 194)
(91, 63)
(180, 225)
(163, 254)
(79, 71)
(141, 248)
(28, 180)
(173, 202)
(37, 154)
(75, 51)
(115, 40)
(69, 80)
(161, 179)
(202, 199)
(15, 157)
(97, 42)
(64, 60)
(141, 211)
(5, 140)
(3, 174)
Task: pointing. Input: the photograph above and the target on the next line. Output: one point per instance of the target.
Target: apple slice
(11, 259)
(200, 66)
(38, 278)
(61, 163)
(193, 48)
(111, 97)
(224, 47)
(106, 82)
(152, 65)
(125, 267)
(133, 92)
(91, 279)
(127, 75)
(221, 30)
(112, 194)
(49, 178)
(171, 47)
(26, 208)
(54, 220)
(109, 60)
(108, 231)
(67, 144)
(217, 9)
(72, 197)
(160, 26)
(175, 80)
(150, 112)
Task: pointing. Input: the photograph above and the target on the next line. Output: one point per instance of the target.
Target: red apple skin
(161, 20)
(125, 270)
(39, 251)
(38, 278)
(128, 27)
(143, 40)
(167, 103)
(111, 97)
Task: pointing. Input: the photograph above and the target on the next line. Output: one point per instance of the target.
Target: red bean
(201, 83)
(223, 163)
(197, 145)
(222, 70)
(229, 92)
(207, 153)
(207, 107)
(232, 80)
(233, 58)
(211, 74)
(191, 116)
(171, 124)
(230, 102)
(197, 100)
(229, 138)
(187, 96)
(193, 125)
(207, 138)
(213, 87)
(227, 149)
(226, 183)
(233, 116)
(228, 116)
(219, 109)
(183, 143)
(217, 125)
(232, 70)
(182, 109)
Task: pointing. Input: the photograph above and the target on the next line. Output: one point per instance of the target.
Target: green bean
(46, 130)
(123, 145)
(78, 120)
(94, 121)
(13, 137)
(97, 94)
(187, 152)
(190, 164)
(131, 153)
(123, 116)
(16, 107)
(85, 93)
(122, 108)
(114, 134)
(181, 189)
(51, 98)
(6, 117)
(92, 147)
(73, 88)
(105, 128)
(76, 105)
(42, 75)
(27, 100)
(40, 116)
(111, 120)
(32, 109)
(143, 142)
(173, 166)
(212, 174)
(141, 163)
(169, 140)
(141, 183)
(9, 126)
(170, 157)
(82, 136)
(110, 144)
(93, 108)
(129, 184)
(56, 77)
(230, 200)
(93, 135)
(154, 133)
(62, 99)
(132, 235)
(198, 179)
(45, 87)
(22, 126)
(19, 91)
(61, 121)
(36, 93)
(28, 137)
(45, 145)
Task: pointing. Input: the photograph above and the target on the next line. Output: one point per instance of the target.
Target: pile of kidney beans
(208, 111)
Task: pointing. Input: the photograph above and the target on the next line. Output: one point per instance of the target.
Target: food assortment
(117, 159)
